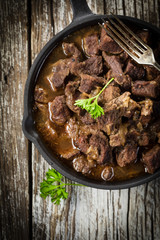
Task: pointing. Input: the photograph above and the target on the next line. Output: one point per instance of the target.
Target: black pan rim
(28, 121)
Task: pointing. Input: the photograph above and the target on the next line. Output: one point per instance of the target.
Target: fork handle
(156, 65)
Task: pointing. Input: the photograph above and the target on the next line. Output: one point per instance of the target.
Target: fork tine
(124, 40)
(121, 37)
(135, 36)
(125, 34)
(122, 45)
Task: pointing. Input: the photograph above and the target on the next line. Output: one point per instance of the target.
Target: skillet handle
(80, 9)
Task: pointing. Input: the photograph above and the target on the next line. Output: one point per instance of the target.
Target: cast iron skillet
(82, 17)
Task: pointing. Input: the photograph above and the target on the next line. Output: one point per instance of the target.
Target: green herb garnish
(92, 106)
(54, 187)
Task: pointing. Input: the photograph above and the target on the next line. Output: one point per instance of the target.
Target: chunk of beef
(70, 50)
(113, 62)
(91, 66)
(72, 93)
(122, 106)
(89, 82)
(82, 142)
(109, 94)
(151, 159)
(59, 78)
(123, 57)
(40, 95)
(145, 89)
(119, 139)
(135, 71)
(146, 111)
(151, 73)
(145, 36)
(127, 155)
(87, 119)
(99, 143)
(70, 153)
(138, 135)
(107, 44)
(157, 80)
(154, 129)
(80, 164)
(72, 128)
(144, 139)
(91, 44)
(107, 173)
(60, 71)
(59, 112)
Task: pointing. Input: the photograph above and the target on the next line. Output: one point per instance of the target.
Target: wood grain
(88, 213)
(14, 197)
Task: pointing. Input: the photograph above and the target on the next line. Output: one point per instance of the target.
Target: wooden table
(88, 213)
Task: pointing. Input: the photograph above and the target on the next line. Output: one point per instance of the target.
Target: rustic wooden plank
(90, 213)
(14, 180)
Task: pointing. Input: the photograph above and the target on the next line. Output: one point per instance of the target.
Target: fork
(130, 42)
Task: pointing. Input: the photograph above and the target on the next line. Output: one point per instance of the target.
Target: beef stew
(121, 144)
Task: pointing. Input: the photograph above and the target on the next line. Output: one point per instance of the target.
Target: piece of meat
(127, 155)
(59, 78)
(90, 82)
(145, 36)
(91, 66)
(145, 89)
(70, 50)
(72, 128)
(135, 71)
(113, 62)
(99, 142)
(154, 129)
(58, 110)
(70, 153)
(151, 73)
(123, 57)
(107, 173)
(91, 44)
(82, 142)
(157, 80)
(60, 70)
(151, 158)
(87, 119)
(144, 139)
(40, 95)
(72, 94)
(146, 111)
(119, 139)
(122, 106)
(109, 94)
(91, 142)
(107, 44)
(80, 164)
(138, 135)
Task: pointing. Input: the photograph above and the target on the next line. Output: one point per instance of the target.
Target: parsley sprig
(92, 106)
(54, 187)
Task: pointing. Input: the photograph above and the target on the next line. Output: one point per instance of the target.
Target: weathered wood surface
(14, 179)
(87, 213)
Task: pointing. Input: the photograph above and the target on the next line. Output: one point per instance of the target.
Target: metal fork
(130, 42)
